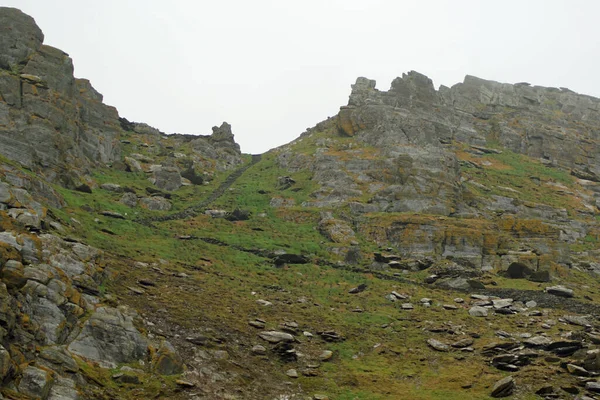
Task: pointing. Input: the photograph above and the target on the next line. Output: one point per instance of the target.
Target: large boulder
(167, 178)
(167, 361)
(109, 337)
(155, 203)
(36, 383)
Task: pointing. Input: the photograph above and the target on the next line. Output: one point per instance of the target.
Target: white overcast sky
(274, 68)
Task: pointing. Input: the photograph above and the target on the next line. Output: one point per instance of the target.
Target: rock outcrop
(405, 148)
(417, 150)
(51, 299)
(50, 121)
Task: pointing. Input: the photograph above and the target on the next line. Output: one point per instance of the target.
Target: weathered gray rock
(167, 178)
(463, 343)
(109, 337)
(167, 361)
(155, 203)
(276, 336)
(537, 341)
(71, 129)
(577, 370)
(259, 350)
(504, 387)
(502, 303)
(336, 230)
(129, 199)
(36, 382)
(63, 389)
(478, 311)
(112, 187)
(326, 355)
(459, 283)
(60, 358)
(132, 165)
(13, 274)
(593, 386)
(437, 345)
(560, 291)
(579, 320)
(292, 373)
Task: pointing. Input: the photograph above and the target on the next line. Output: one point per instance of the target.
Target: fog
(274, 68)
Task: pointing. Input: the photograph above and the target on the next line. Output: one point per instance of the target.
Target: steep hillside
(421, 244)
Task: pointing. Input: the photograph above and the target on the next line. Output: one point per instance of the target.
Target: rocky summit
(420, 244)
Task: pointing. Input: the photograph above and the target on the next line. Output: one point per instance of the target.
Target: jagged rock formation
(413, 149)
(411, 129)
(51, 299)
(57, 125)
(203, 152)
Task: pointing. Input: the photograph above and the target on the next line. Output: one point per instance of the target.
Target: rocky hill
(421, 244)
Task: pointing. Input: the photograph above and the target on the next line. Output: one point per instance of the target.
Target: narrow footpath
(200, 207)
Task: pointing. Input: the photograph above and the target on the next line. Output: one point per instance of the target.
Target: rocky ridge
(414, 151)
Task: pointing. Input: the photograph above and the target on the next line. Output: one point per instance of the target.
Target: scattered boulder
(132, 165)
(285, 182)
(326, 355)
(257, 323)
(537, 341)
(560, 291)
(113, 214)
(292, 373)
(167, 178)
(155, 203)
(166, 360)
(459, 283)
(593, 386)
(216, 213)
(437, 345)
(542, 276)
(276, 336)
(477, 311)
(238, 215)
(129, 199)
(360, 288)
(463, 343)
(518, 270)
(286, 258)
(504, 387)
(112, 187)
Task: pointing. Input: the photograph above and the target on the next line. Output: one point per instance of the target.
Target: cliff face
(57, 125)
(522, 158)
(415, 130)
(556, 125)
(56, 133)
(49, 121)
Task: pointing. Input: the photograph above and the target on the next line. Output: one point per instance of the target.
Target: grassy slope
(384, 354)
